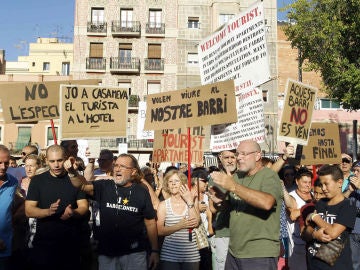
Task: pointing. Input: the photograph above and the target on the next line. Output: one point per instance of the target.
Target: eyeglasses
(244, 153)
(121, 166)
(345, 160)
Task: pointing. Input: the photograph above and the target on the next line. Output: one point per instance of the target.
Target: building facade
(150, 47)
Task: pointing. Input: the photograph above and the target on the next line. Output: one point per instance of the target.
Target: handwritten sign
(324, 145)
(172, 145)
(250, 124)
(93, 111)
(296, 117)
(209, 104)
(32, 101)
(238, 51)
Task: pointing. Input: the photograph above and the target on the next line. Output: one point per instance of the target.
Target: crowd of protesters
(256, 213)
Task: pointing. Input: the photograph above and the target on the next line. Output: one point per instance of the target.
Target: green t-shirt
(254, 232)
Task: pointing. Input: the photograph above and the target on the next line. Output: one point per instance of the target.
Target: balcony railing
(124, 64)
(133, 101)
(96, 63)
(97, 28)
(125, 28)
(113, 143)
(155, 28)
(152, 64)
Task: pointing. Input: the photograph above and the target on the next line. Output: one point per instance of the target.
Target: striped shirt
(176, 246)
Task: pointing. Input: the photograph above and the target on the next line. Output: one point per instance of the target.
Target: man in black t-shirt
(57, 205)
(126, 212)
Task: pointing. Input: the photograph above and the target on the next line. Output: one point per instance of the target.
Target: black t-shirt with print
(342, 213)
(122, 213)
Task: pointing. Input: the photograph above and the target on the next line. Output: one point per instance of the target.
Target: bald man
(255, 196)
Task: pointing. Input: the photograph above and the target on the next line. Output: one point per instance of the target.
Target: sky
(22, 21)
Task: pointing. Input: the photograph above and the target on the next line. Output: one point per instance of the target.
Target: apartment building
(150, 46)
(47, 56)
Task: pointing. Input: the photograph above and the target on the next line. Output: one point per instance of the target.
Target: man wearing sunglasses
(19, 172)
(345, 166)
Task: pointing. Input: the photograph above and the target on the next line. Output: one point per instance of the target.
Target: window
(193, 22)
(65, 68)
(49, 136)
(155, 18)
(46, 66)
(125, 85)
(193, 59)
(153, 87)
(329, 104)
(126, 17)
(224, 18)
(154, 51)
(97, 16)
(96, 50)
(265, 95)
(24, 137)
(125, 53)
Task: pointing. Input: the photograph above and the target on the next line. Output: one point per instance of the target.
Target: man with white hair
(255, 196)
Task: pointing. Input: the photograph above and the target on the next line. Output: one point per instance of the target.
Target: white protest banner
(296, 116)
(88, 111)
(206, 105)
(250, 125)
(238, 51)
(141, 117)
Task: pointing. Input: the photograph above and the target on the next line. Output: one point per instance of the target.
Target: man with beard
(255, 196)
(220, 242)
(125, 211)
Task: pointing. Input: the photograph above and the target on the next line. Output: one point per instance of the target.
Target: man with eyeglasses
(255, 196)
(126, 211)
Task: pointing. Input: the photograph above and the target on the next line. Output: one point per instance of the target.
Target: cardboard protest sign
(33, 101)
(296, 116)
(323, 146)
(238, 51)
(206, 105)
(250, 124)
(172, 145)
(93, 111)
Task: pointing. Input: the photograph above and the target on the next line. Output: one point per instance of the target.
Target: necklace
(119, 199)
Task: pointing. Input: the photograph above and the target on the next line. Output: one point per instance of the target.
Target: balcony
(125, 65)
(113, 144)
(95, 64)
(125, 29)
(152, 65)
(133, 102)
(96, 29)
(155, 30)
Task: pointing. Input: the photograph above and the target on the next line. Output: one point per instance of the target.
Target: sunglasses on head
(345, 160)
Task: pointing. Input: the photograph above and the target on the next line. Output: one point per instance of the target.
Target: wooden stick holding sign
(53, 131)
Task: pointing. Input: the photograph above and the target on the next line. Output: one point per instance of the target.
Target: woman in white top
(176, 215)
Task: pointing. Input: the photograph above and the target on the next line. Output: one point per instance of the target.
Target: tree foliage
(328, 34)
